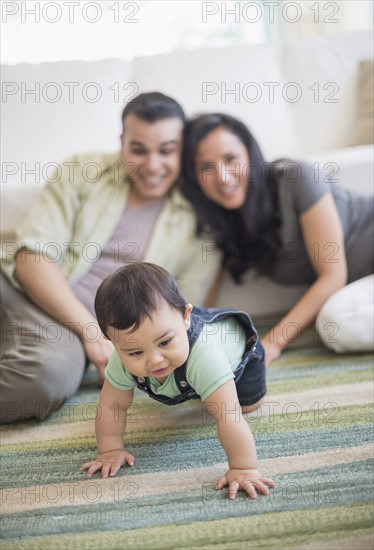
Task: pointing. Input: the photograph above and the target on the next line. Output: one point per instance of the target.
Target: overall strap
(180, 375)
(187, 392)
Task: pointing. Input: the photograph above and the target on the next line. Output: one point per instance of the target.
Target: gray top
(127, 244)
(299, 188)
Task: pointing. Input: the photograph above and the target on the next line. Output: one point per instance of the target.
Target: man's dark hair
(133, 292)
(153, 106)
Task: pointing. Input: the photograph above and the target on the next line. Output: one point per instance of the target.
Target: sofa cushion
(326, 71)
(351, 167)
(234, 80)
(43, 128)
(365, 119)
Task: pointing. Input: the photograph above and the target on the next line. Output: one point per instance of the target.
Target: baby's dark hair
(131, 293)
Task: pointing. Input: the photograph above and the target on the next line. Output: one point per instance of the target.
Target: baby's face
(158, 346)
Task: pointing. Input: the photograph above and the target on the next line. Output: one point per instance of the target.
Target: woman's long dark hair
(248, 236)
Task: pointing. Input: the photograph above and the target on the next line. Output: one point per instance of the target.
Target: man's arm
(110, 427)
(200, 277)
(238, 442)
(45, 284)
(212, 295)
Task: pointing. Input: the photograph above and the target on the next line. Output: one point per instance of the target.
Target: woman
(290, 224)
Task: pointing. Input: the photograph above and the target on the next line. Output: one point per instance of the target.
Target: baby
(175, 352)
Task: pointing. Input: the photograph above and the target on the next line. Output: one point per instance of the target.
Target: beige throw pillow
(365, 127)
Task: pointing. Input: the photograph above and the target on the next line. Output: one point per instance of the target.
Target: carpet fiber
(314, 436)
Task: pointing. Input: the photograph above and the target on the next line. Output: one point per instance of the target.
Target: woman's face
(222, 168)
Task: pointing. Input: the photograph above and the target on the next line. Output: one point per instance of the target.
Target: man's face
(152, 153)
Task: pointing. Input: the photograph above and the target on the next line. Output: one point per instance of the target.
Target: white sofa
(312, 116)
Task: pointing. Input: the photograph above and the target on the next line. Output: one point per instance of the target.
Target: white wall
(41, 31)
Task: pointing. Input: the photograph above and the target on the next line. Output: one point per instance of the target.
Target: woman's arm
(324, 241)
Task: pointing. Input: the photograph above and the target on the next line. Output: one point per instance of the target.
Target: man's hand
(109, 463)
(98, 352)
(248, 480)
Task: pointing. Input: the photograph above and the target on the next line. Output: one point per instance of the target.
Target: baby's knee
(250, 408)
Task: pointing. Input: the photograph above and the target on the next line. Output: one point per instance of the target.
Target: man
(104, 211)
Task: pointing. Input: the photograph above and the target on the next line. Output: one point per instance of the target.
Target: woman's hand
(248, 480)
(109, 462)
(272, 351)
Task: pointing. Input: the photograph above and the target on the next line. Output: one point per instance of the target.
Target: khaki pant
(42, 362)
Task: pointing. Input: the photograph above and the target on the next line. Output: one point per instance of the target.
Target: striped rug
(314, 436)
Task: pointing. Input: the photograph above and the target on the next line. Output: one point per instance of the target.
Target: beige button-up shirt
(78, 210)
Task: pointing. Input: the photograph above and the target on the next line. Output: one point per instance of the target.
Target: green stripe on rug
(289, 528)
(336, 485)
(317, 355)
(78, 410)
(260, 422)
(318, 381)
(304, 367)
(315, 445)
(314, 541)
(174, 455)
(281, 373)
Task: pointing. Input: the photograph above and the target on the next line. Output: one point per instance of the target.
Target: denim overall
(199, 317)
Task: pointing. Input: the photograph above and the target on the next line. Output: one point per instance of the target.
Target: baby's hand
(248, 480)
(109, 463)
